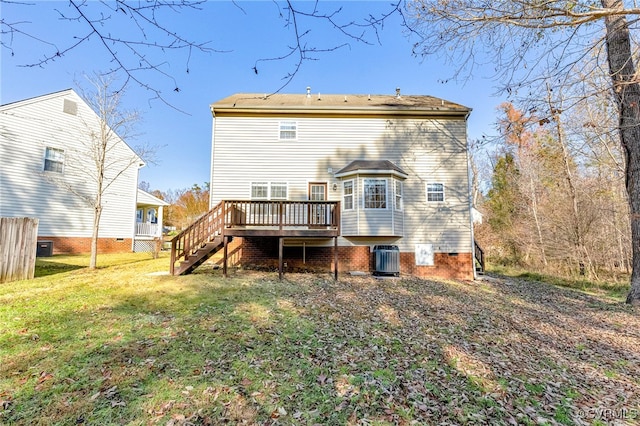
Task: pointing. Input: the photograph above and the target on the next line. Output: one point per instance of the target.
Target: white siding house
(149, 214)
(398, 166)
(47, 172)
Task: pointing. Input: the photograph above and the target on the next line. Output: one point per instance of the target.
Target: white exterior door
(318, 213)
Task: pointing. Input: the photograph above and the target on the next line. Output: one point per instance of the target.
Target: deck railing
(146, 228)
(311, 214)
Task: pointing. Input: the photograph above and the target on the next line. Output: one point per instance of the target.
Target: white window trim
(426, 192)
(395, 195)
(364, 194)
(269, 185)
(352, 195)
(261, 183)
(279, 183)
(289, 123)
(44, 162)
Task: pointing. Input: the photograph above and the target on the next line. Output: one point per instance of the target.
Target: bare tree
(102, 156)
(133, 36)
(531, 43)
(302, 17)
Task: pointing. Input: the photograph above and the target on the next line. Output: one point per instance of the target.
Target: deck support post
(335, 258)
(224, 261)
(280, 263)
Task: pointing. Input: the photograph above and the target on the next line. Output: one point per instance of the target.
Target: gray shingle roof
(320, 102)
(375, 166)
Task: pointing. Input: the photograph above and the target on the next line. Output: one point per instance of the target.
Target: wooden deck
(242, 218)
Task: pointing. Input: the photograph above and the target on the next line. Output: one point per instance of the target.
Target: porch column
(160, 226)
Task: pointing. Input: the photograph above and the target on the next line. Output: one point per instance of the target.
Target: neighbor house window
(375, 193)
(288, 130)
(152, 216)
(435, 192)
(54, 160)
(269, 190)
(348, 195)
(398, 200)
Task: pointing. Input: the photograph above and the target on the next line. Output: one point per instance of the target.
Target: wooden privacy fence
(18, 245)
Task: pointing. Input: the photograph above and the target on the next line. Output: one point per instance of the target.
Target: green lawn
(126, 345)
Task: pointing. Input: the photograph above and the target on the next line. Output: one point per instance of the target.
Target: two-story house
(315, 180)
(47, 172)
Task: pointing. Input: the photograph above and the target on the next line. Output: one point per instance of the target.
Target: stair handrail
(200, 232)
(479, 254)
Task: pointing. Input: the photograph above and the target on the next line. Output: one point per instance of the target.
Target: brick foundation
(263, 253)
(79, 245)
(446, 265)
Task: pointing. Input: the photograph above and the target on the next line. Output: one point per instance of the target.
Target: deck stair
(201, 240)
(201, 255)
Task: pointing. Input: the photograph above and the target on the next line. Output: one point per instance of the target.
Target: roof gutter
(230, 110)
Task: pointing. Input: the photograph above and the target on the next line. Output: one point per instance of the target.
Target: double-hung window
(259, 190)
(278, 191)
(375, 193)
(435, 192)
(54, 160)
(288, 130)
(398, 198)
(347, 189)
(269, 190)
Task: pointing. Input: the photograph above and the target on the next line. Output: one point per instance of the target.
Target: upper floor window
(435, 192)
(398, 200)
(54, 160)
(375, 193)
(288, 130)
(269, 190)
(347, 187)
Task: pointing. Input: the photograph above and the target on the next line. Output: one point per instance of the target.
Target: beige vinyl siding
(398, 223)
(27, 129)
(349, 222)
(428, 150)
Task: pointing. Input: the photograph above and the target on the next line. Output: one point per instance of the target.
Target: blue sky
(242, 33)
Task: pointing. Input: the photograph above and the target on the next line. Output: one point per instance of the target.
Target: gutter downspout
(213, 145)
(470, 205)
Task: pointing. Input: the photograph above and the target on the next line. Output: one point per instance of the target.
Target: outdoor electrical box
(45, 249)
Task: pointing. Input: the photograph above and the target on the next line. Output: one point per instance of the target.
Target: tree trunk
(627, 93)
(97, 212)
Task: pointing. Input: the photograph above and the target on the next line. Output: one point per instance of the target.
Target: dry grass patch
(122, 345)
